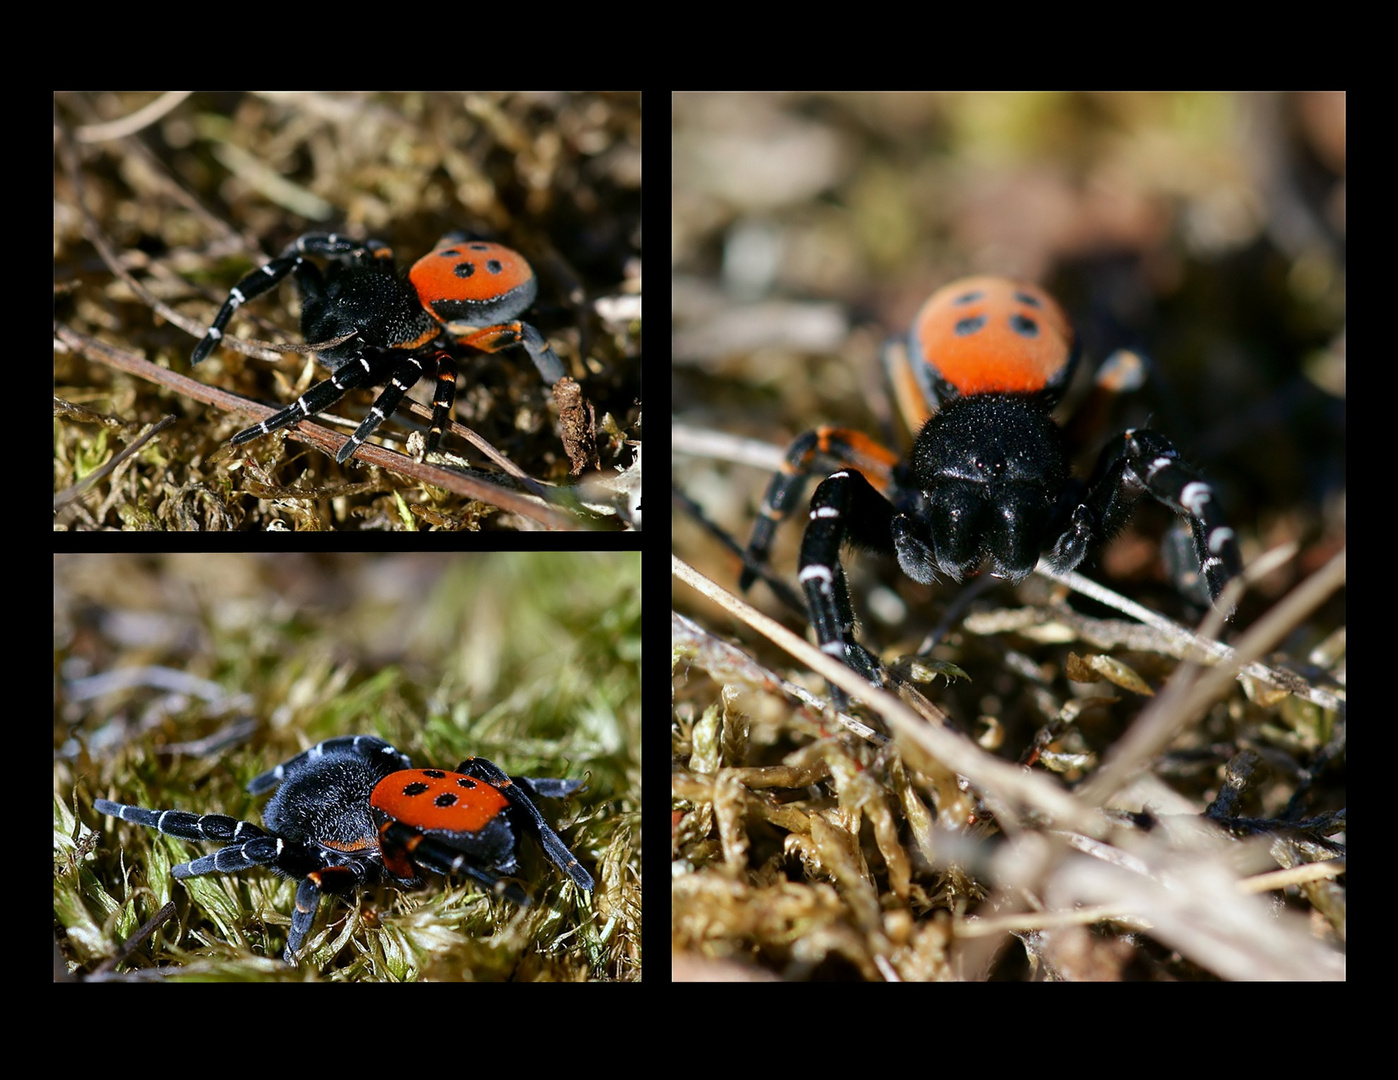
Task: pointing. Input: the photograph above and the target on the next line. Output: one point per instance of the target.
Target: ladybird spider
(988, 481)
(467, 292)
(351, 810)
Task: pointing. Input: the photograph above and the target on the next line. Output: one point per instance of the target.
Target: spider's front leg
(845, 507)
(266, 278)
(248, 846)
(1145, 462)
(843, 446)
